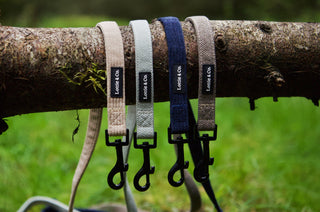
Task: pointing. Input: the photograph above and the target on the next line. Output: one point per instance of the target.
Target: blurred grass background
(265, 160)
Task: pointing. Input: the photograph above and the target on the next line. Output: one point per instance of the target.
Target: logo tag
(207, 79)
(178, 78)
(116, 82)
(145, 87)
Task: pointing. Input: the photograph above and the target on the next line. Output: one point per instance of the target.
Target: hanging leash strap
(131, 124)
(206, 92)
(207, 72)
(193, 192)
(115, 78)
(206, 105)
(115, 97)
(191, 186)
(197, 155)
(92, 134)
(178, 93)
(175, 42)
(116, 108)
(144, 99)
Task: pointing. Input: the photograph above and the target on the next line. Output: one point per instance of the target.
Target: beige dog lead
(115, 99)
(115, 78)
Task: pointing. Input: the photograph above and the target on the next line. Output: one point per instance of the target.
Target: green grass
(265, 160)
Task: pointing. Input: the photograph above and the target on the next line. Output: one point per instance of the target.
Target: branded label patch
(116, 82)
(207, 79)
(145, 87)
(178, 78)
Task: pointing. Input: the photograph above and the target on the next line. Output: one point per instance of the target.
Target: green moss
(92, 76)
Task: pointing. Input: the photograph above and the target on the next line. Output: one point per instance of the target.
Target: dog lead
(115, 97)
(144, 98)
(206, 92)
(178, 94)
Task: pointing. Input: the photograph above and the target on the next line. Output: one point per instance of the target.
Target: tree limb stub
(254, 59)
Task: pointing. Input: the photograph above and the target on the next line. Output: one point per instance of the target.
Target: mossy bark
(254, 59)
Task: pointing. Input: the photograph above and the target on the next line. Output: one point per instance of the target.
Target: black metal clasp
(180, 164)
(120, 167)
(145, 169)
(201, 170)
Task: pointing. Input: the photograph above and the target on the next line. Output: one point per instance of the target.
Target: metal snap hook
(201, 170)
(145, 169)
(180, 164)
(120, 167)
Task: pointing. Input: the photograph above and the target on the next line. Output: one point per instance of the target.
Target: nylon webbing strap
(131, 124)
(197, 155)
(115, 77)
(207, 72)
(116, 98)
(177, 75)
(144, 100)
(144, 78)
(92, 134)
(178, 94)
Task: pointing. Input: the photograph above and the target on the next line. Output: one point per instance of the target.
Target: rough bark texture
(254, 59)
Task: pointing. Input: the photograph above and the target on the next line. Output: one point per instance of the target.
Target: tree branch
(254, 59)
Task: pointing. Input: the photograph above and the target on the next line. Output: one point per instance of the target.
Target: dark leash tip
(180, 165)
(117, 169)
(145, 170)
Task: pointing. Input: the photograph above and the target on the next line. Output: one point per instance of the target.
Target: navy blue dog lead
(182, 120)
(179, 123)
(177, 75)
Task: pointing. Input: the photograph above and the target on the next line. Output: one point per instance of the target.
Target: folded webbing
(144, 99)
(177, 75)
(207, 72)
(115, 77)
(144, 78)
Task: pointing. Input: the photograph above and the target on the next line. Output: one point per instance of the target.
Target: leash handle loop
(144, 99)
(206, 92)
(115, 71)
